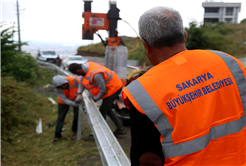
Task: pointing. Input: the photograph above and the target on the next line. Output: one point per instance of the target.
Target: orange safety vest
(198, 104)
(112, 81)
(73, 87)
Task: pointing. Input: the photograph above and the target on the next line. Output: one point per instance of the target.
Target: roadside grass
(21, 105)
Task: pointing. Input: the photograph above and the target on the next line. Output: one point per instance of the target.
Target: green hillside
(132, 43)
(225, 37)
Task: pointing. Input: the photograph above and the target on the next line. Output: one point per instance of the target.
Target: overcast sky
(61, 20)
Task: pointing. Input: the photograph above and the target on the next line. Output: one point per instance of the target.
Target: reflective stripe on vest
(90, 78)
(75, 83)
(155, 114)
(237, 74)
(112, 81)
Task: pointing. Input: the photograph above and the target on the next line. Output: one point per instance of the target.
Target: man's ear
(146, 46)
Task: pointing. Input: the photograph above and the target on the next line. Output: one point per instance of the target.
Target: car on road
(47, 55)
(72, 59)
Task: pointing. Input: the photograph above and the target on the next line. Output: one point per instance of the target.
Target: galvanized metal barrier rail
(110, 151)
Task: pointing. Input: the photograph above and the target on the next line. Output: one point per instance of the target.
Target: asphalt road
(124, 140)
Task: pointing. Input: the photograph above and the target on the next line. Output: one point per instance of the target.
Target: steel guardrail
(110, 151)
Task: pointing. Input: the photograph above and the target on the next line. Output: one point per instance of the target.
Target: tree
(243, 21)
(19, 65)
(208, 36)
(196, 38)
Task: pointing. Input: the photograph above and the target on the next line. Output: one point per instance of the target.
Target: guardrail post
(80, 118)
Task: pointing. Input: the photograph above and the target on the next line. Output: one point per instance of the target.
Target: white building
(221, 12)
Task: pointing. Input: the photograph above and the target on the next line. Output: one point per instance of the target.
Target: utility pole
(18, 21)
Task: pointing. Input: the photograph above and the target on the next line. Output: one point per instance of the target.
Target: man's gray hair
(161, 27)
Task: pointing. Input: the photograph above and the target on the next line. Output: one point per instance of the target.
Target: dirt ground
(124, 140)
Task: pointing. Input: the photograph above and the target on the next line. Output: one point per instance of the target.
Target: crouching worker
(66, 87)
(102, 83)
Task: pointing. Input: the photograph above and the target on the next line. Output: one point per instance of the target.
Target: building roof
(220, 4)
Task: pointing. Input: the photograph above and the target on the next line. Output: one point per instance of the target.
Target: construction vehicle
(116, 54)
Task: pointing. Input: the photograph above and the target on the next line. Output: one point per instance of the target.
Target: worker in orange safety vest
(189, 108)
(66, 87)
(102, 83)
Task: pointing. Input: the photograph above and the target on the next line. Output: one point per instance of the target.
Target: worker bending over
(67, 87)
(189, 108)
(102, 83)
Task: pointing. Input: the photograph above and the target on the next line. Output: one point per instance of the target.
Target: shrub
(19, 65)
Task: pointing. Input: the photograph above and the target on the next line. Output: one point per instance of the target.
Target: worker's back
(112, 81)
(70, 93)
(196, 104)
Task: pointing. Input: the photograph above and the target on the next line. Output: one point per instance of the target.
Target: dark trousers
(62, 112)
(106, 109)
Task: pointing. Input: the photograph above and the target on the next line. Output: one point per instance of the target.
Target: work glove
(79, 99)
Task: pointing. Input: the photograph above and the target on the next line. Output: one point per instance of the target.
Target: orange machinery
(115, 55)
(99, 21)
